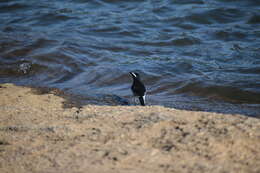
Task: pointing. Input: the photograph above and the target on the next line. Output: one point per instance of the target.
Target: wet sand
(40, 134)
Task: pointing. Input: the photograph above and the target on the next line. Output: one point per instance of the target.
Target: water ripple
(192, 54)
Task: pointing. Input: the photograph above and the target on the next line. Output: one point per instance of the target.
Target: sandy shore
(39, 135)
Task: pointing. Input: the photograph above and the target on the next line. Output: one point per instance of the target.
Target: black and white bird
(138, 88)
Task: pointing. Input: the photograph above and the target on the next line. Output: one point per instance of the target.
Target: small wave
(229, 35)
(186, 26)
(219, 15)
(52, 18)
(13, 49)
(255, 19)
(226, 93)
(12, 7)
(107, 29)
(188, 2)
(184, 41)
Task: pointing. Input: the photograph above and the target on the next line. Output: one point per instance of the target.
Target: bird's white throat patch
(133, 74)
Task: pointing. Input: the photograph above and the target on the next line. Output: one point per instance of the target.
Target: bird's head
(135, 75)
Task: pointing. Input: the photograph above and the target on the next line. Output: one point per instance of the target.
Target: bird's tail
(142, 100)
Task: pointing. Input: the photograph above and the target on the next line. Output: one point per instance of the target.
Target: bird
(138, 87)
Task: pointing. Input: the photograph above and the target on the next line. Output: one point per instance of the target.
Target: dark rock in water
(25, 67)
(16, 68)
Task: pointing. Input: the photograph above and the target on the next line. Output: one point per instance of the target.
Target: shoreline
(40, 133)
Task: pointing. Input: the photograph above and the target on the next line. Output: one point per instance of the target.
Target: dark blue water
(191, 54)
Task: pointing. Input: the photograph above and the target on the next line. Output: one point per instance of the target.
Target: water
(191, 54)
